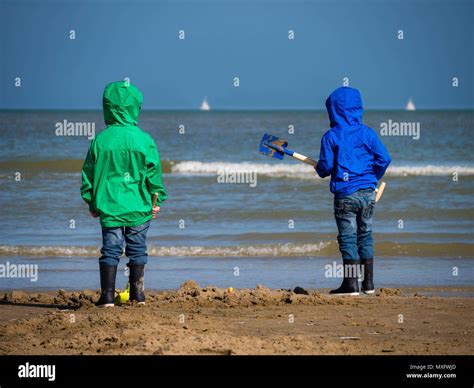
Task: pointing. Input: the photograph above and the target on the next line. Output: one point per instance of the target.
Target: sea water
(235, 217)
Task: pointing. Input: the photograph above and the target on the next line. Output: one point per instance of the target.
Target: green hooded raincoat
(122, 169)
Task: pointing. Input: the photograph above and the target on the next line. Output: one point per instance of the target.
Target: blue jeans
(354, 221)
(135, 249)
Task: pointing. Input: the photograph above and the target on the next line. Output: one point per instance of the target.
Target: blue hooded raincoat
(351, 153)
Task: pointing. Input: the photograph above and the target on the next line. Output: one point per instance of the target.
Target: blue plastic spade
(277, 148)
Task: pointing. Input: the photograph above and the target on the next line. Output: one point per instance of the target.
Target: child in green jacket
(120, 175)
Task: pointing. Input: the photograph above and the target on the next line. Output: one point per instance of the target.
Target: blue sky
(245, 39)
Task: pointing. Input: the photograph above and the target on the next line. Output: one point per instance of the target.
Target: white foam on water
(303, 171)
(243, 250)
(212, 168)
(42, 251)
(289, 249)
(430, 170)
(321, 249)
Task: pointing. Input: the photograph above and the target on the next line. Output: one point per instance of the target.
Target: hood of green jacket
(122, 103)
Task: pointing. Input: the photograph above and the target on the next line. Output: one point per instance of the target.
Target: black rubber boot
(107, 284)
(137, 283)
(368, 282)
(350, 284)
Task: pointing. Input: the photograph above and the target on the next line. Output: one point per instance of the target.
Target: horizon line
(224, 110)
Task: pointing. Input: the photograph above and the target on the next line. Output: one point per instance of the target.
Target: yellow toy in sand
(123, 297)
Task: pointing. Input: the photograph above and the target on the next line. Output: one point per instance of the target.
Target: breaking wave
(304, 171)
(322, 248)
(277, 169)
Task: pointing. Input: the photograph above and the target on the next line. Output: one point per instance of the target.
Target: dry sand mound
(212, 320)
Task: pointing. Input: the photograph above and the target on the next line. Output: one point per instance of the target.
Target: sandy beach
(210, 320)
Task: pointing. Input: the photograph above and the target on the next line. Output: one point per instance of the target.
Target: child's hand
(154, 212)
(94, 214)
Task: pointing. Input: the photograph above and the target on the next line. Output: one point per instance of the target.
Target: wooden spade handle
(304, 159)
(155, 198)
(379, 191)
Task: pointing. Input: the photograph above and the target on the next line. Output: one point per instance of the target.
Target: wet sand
(210, 320)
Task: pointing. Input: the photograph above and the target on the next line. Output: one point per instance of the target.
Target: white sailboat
(410, 105)
(205, 105)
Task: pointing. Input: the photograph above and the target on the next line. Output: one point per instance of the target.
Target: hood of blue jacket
(344, 107)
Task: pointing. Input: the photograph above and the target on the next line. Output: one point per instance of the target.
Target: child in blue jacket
(356, 159)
